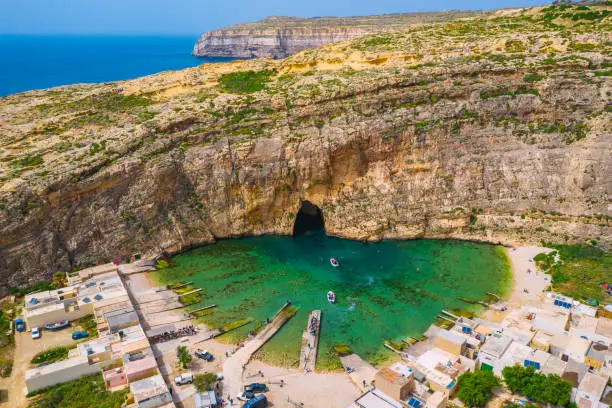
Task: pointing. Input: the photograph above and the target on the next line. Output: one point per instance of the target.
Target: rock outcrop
(279, 37)
(494, 129)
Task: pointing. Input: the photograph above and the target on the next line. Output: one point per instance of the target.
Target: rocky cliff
(494, 129)
(279, 37)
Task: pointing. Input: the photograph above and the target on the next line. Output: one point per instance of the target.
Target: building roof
(571, 344)
(436, 398)
(141, 365)
(118, 319)
(554, 365)
(57, 366)
(574, 372)
(392, 376)
(148, 387)
(452, 337)
(402, 369)
(593, 384)
(496, 345)
(598, 351)
(376, 399)
(604, 327)
(516, 354)
(205, 399)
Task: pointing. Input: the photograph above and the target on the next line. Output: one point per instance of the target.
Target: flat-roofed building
(597, 355)
(375, 399)
(516, 354)
(492, 350)
(554, 365)
(120, 319)
(569, 347)
(396, 384)
(591, 390)
(151, 392)
(441, 369)
(451, 342)
(574, 372)
(541, 341)
(436, 400)
(72, 302)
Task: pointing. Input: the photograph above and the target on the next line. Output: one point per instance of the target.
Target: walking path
(310, 341)
(233, 368)
(359, 371)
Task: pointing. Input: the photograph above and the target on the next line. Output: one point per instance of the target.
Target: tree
(183, 356)
(204, 382)
(59, 280)
(475, 388)
(538, 387)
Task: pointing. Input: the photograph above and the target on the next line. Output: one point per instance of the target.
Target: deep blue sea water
(35, 62)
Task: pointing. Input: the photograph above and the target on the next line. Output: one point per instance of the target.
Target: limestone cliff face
(269, 43)
(504, 136)
(279, 37)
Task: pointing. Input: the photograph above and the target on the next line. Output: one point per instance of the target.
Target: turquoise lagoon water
(385, 291)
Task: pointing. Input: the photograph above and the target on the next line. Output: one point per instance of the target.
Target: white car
(185, 378)
(35, 333)
(245, 396)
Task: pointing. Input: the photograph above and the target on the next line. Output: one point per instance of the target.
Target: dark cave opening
(309, 218)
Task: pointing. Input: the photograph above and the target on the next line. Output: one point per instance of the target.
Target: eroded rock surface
(494, 129)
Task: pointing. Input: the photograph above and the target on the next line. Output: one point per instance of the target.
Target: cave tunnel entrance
(309, 218)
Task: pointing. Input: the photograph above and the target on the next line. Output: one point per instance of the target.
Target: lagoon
(385, 291)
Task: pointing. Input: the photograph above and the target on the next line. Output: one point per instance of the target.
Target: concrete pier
(310, 341)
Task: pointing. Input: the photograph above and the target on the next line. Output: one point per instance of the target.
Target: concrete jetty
(233, 367)
(310, 341)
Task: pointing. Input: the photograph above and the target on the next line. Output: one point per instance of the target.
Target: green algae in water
(385, 291)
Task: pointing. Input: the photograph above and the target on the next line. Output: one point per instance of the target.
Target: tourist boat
(331, 297)
(57, 325)
(334, 262)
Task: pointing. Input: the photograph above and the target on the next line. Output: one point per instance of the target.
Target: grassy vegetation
(88, 323)
(521, 90)
(6, 340)
(245, 81)
(51, 355)
(36, 287)
(580, 271)
(82, 393)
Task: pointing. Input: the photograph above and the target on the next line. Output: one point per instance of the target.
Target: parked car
(204, 355)
(77, 335)
(35, 333)
(185, 378)
(19, 324)
(256, 387)
(260, 401)
(245, 396)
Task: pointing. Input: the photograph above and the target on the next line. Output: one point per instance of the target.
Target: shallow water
(384, 291)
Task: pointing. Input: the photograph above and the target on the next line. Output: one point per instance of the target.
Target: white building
(590, 391)
(72, 302)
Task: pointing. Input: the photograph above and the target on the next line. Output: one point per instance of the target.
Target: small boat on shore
(334, 262)
(60, 324)
(331, 297)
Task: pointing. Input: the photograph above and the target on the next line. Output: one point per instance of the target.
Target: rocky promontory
(279, 37)
(495, 128)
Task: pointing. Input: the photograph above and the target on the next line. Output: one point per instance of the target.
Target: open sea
(42, 61)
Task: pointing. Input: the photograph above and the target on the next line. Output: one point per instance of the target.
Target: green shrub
(51, 355)
(474, 389)
(538, 387)
(204, 381)
(245, 81)
(534, 77)
(84, 392)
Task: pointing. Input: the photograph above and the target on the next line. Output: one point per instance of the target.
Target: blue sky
(192, 17)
